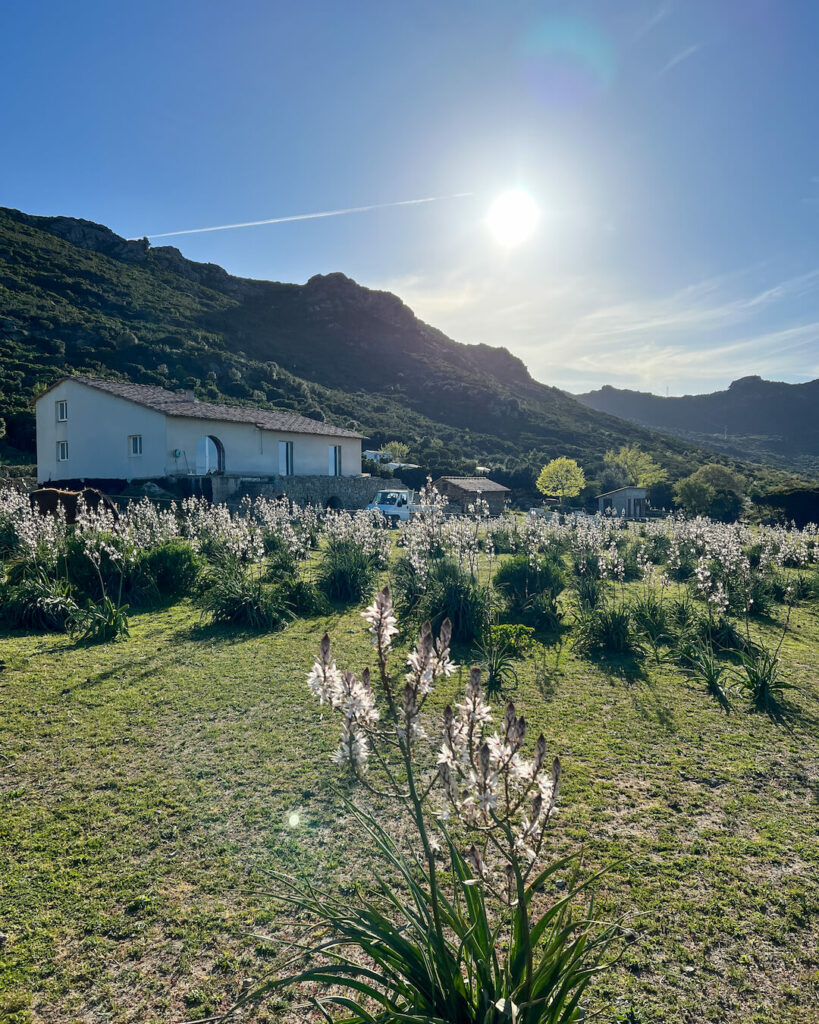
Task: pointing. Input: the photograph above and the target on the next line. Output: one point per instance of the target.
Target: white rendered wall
(99, 425)
(256, 452)
(97, 431)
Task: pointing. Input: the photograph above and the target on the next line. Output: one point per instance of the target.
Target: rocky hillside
(755, 418)
(75, 297)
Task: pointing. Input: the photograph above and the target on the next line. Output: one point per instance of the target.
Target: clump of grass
(759, 676)
(163, 574)
(347, 573)
(100, 622)
(236, 596)
(707, 668)
(451, 593)
(38, 602)
(607, 630)
(531, 589)
(589, 590)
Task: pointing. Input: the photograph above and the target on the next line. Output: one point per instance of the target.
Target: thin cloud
(678, 58)
(653, 21)
(309, 216)
(574, 336)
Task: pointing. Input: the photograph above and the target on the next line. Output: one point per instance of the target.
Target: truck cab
(394, 505)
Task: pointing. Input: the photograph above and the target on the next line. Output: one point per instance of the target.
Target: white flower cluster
(487, 780)
(355, 700)
(214, 530)
(366, 528)
(291, 528)
(25, 531)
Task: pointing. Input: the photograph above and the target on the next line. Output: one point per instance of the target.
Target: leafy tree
(635, 467)
(561, 476)
(712, 490)
(397, 449)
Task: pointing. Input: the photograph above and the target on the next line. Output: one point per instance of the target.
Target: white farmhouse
(90, 429)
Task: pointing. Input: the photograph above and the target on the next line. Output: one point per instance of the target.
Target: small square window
(62, 411)
(135, 444)
(62, 451)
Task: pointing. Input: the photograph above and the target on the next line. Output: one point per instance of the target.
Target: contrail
(310, 216)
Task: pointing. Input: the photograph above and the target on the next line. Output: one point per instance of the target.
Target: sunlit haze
(512, 218)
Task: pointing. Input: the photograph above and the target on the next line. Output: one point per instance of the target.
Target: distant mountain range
(755, 419)
(75, 297)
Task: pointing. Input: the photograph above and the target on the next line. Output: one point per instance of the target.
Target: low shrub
(163, 574)
(303, 598)
(650, 618)
(706, 667)
(37, 602)
(239, 597)
(451, 593)
(501, 648)
(657, 548)
(607, 630)
(347, 573)
(100, 622)
(716, 634)
(406, 586)
(759, 676)
(590, 590)
(531, 590)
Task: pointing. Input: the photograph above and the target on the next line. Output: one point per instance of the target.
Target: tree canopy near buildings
(561, 476)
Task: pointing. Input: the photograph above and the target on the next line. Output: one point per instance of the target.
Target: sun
(512, 217)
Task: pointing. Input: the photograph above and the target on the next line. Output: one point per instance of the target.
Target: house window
(62, 411)
(285, 458)
(135, 444)
(335, 460)
(62, 451)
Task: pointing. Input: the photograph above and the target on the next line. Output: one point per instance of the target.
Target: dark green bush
(451, 593)
(303, 598)
(607, 630)
(650, 617)
(531, 591)
(37, 602)
(347, 573)
(235, 595)
(657, 547)
(162, 574)
(100, 622)
(590, 590)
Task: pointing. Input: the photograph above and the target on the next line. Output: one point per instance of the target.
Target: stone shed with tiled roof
(88, 428)
(463, 491)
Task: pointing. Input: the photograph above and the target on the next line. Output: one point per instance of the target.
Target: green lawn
(146, 785)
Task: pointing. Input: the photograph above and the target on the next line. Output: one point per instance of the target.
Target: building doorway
(210, 456)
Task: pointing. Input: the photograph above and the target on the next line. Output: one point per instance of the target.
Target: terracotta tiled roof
(471, 483)
(171, 404)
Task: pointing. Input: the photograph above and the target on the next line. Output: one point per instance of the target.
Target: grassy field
(147, 785)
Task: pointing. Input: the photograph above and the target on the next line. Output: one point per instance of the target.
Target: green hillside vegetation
(76, 298)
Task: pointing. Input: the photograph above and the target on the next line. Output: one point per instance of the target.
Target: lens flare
(512, 217)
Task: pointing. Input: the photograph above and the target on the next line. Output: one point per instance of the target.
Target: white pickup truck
(396, 506)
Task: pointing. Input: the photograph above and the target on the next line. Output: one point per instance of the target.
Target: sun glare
(512, 217)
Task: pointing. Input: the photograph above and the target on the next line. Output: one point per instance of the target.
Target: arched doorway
(210, 456)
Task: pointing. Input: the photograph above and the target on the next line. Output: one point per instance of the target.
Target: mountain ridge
(752, 417)
(77, 297)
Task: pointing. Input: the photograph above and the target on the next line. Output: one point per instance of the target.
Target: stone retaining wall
(338, 491)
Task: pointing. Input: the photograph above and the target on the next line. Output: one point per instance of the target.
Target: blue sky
(672, 149)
